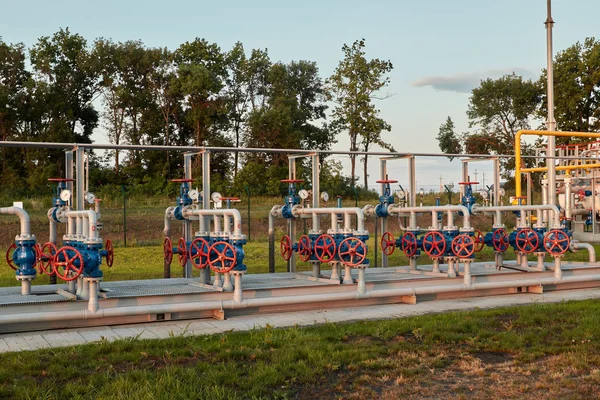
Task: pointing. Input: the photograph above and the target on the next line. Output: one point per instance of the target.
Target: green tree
(497, 110)
(71, 75)
(244, 78)
(576, 88)
(449, 142)
(201, 72)
(354, 86)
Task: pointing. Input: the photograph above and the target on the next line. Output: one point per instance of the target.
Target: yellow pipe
(561, 168)
(522, 132)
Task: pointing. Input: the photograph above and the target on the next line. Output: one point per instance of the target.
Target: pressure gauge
(400, 194)
(216, 197)
(483, 194)
(193, 194)
(89, 197)
(325, 196)
(65, 195)
(303, 194)
(501, 192)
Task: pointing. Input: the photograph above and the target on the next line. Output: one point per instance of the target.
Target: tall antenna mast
(550, 122)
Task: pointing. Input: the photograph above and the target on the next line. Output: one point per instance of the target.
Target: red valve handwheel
(230, 198)
(434, 244)
(67, 257)
(556, 242)
(352, 251)
(304, 250)
(292, 180)
(479, 240)
(110, 253)
(285, 246)
(9, 256)
(182, 254)
(388, 243)
(500, 240)
(221, 257)
(387, 181)
(44, 262)
(199, 253)
(527, 240)
(61, 180)
(468, 183)
(182, 180)
(325, 248)
(409, 244)
(168, 250)
(463, 246)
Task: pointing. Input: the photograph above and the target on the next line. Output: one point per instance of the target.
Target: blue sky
(440, 48)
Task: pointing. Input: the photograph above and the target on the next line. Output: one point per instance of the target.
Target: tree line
(498, 108)
(63, 89)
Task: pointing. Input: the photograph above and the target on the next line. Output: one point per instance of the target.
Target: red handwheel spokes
(44, 262)
(352, 251)
(527, 240)
(9, 256)
(434, 244)
(479, 241)
(388, 243)
(221, 257)
(285, 246)
(409, 244)
(463, 246)
(70, 260)
(182, 254)
(110, 253)
(198, 253)
(500, 240)
(304, 250)
(168, 250)
(325, 248)
(556, 242)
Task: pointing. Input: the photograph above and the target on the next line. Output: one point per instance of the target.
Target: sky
(440, 49)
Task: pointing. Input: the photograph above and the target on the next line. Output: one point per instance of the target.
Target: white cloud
(464, 83)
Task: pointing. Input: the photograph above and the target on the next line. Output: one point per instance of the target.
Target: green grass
(521, 352)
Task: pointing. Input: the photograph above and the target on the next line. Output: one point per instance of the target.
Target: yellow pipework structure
(562, 168)
(519, 170)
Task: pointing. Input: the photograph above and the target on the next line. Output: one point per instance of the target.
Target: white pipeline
(168, 216)
(334, 211)
(23, 217)
(230, 212)
(91, 221)
(283, 301)
(537, 208)
(395, 209)
(575, 245)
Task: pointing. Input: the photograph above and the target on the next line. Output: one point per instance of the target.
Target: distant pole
(247, 188)
(124, 215)
(550, 122)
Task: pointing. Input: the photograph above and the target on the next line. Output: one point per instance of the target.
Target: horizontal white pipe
(395, 209)
(92, 222)
(280, 301)
(539, 207)
(232, 212)
(346, 211)
(23, 218)
(576, 245)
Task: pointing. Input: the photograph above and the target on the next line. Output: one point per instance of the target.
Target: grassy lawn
(547, 351)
